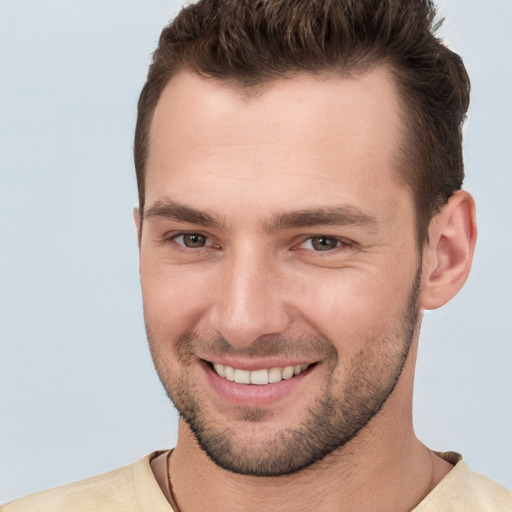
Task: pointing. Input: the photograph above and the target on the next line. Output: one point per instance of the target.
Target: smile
(258, 377)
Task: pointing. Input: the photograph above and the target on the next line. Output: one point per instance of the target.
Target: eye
(191, 240)
(322, 243)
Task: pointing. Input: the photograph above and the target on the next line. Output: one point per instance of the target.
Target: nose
(250, 300)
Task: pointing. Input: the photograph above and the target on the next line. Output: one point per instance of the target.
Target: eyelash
(174, 237)
(341, 243)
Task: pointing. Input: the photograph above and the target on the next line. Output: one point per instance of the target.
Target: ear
(136, 220)
(448, 254)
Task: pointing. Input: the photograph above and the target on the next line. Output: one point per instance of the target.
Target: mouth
(257, 384)
(259, 377)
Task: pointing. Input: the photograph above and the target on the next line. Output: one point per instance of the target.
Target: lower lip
(252, 395)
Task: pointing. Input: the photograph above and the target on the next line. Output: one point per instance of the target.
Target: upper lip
(256, 363)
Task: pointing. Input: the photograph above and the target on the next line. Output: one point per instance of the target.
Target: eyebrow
(344, 215)
(168, 209)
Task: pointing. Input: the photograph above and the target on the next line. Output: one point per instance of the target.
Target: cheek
(351, 306)
(174, 297)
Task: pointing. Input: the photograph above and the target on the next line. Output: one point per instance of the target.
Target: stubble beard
(331, 420)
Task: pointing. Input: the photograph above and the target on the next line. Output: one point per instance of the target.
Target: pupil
(194, 240)
(324, 243)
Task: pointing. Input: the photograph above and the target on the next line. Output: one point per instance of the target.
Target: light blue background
(78, 394)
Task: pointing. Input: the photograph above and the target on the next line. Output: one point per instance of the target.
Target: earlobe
(449, 252)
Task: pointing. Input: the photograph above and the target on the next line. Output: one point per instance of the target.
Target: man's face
(277, 240)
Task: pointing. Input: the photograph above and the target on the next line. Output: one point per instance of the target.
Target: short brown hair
(250, 42)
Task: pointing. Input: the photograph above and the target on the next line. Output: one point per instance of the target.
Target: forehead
(284, 141)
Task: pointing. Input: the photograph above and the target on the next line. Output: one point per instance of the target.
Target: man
(299, 168)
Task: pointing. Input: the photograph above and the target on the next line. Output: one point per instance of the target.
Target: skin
(227, 165)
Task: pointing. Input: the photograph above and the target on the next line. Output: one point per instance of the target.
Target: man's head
(280, 269)
(248, 43)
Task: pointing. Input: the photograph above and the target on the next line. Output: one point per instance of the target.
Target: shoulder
(487, 494)
(466, 491)
(126, 489)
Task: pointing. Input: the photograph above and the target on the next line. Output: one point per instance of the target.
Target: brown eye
(324, 243)
(192, 240)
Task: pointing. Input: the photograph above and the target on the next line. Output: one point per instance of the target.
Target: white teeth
(220, 369)
(274, 375)
(242, 376)
(287, 373)
(229, 373)
(258, 377)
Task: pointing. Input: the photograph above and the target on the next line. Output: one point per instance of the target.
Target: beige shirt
(134, 489)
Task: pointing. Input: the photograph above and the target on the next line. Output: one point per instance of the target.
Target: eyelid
(174, 235)
(344, 243)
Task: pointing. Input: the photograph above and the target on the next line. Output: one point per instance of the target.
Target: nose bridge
(250, 299)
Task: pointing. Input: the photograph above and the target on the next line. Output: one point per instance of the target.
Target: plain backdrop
(78, 393)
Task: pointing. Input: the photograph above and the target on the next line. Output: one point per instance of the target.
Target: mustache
(303, 346)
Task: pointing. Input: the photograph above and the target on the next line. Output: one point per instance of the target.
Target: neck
(390, 474)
